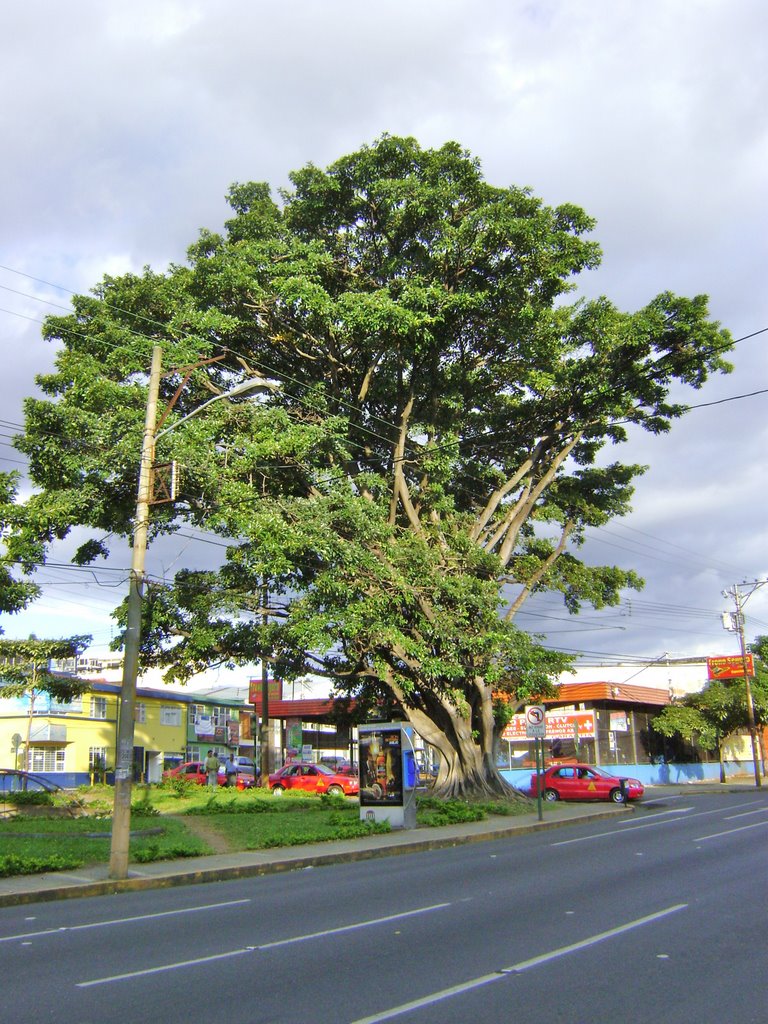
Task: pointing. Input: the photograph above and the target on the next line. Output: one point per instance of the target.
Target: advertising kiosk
(388, 774)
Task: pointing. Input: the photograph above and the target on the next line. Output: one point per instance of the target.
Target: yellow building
(72, 742)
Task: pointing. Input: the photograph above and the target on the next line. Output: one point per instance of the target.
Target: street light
(121, 815)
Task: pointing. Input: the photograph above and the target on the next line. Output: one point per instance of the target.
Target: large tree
(16, 591)
(434, 452)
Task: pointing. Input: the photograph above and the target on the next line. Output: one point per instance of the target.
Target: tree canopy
(25, 667)
(436, 448)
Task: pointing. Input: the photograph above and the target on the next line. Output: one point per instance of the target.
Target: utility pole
(264, 731)
(738, 620)
(121, 815)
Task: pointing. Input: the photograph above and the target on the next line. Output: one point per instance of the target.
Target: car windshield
(601, 771)
(324, 770)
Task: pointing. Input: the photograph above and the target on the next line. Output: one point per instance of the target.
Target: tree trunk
(467, 767)
(30, 719)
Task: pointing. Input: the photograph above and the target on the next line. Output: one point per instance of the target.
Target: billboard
(561, 725)
(274, 690)
(729, 667)
(381, 766)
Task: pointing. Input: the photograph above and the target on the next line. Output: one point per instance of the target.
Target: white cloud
(123, 127)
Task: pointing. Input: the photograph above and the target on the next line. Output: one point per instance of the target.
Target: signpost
(536, 730)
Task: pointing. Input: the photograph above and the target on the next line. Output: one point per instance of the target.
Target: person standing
(231, 769)
(212, 769)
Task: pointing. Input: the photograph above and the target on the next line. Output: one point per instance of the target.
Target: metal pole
(121, 815)
(538, 746)
(750, 705)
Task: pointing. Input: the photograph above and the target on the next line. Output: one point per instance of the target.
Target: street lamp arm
(253, 384)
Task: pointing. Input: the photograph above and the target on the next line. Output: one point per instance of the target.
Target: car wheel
(551, 795)
(617, 796)
(336, 791)
(278, 790)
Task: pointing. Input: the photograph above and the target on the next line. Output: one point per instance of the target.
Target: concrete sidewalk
(93, 881)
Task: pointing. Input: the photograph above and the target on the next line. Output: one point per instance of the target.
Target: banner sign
(729, 667)
(274, 691)
(561, 725)
(619, 721)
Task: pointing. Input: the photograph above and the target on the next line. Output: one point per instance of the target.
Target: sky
(124, 125)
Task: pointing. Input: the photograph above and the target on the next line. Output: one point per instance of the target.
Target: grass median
(173, 822)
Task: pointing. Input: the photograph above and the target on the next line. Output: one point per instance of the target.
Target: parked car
(583, 782)
(312, 778)
(194, 771)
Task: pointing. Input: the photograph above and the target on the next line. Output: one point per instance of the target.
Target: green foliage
(713, 714)
(433, 455)
(16, 864)
(432, 812)
(506, 808)
(178, 785)
(154, 850)
(24, 665)
(27, 798)
(255, 802)
(143, 806)
(15, 593)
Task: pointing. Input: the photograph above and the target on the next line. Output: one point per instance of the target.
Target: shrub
(178, 785)
(29, 798)
(15, 864)
(447, 812)
(143, 805)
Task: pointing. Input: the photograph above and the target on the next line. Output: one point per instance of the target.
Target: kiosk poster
(381, 768)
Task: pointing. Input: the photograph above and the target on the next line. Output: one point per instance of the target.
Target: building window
(218, 716)
(97, 759)
(99, 707)
(141, 713)
(70, 707)
(170, 715)
(46, 759)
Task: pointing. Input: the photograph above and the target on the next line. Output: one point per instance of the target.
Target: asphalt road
(653, 917)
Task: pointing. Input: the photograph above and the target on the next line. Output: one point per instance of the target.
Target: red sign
(561, 725)
(729, 667)
(274, 691)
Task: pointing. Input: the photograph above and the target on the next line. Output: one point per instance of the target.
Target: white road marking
(747, 814)
(120, 920)
(350, 927)
(730, 831)
(658, 814)
(256, 949)
(651, 824)
(517, 968)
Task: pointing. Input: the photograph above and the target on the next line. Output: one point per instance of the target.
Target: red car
(584, 782)
(194, 771)
(313, 778)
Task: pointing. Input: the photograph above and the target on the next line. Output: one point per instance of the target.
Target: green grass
(293, 827)
(246, 820)
(33, 845)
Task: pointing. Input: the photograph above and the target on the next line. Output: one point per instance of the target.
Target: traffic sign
(535, 722)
